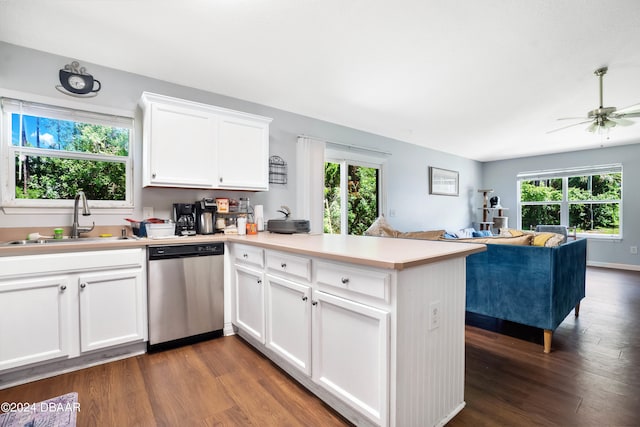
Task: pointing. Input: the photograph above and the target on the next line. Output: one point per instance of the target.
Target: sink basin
(69, 241)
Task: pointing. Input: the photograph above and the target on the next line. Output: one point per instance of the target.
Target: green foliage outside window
(593, 202)
(49, 173)
(362, 198)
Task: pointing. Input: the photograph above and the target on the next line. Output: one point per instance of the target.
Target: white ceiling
(483, 79)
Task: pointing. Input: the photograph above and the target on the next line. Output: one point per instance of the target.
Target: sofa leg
(548, 334)
(577, 310)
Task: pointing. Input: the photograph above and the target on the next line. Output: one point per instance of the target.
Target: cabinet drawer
(245, 254)
(376, 284)
(290, 264)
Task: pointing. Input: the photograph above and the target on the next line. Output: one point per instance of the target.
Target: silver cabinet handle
(304, 298)
(344, 280)
(83, 285)
(63, 288)
(283, 265)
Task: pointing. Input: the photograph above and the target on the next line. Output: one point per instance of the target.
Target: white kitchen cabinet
(111, 308)
(178, 143)
(288, 310)
(351, 353)
(34, 320)
(249, 301)
(318, 323)
(193, 145)
(65, 305)
(243, 152)
(379, 355)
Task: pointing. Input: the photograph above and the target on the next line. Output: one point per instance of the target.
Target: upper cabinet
(193, 145)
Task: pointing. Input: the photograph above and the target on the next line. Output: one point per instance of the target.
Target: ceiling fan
(604, 117)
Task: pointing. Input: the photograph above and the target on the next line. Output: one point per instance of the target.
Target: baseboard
(614, 265)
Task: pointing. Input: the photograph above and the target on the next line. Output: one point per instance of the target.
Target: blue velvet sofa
(531, 285)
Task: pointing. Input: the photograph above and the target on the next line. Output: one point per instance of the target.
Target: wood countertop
(381, 252)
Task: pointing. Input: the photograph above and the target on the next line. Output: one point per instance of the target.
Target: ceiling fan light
(592, 127)
(606, 123)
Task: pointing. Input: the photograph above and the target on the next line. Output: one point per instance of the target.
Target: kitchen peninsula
(373, 326)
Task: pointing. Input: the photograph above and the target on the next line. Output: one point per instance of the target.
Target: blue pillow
(482, 233)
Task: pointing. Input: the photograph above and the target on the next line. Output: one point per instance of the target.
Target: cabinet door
(34, 320)
(249, 309)
(243, 153)
(351, 353)
(112, 309)
(179, 146)
(289, 321)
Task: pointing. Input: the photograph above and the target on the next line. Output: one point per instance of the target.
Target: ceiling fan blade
(628, 110)
(565, 127)
(621, 121)
(573, 118)
(629, 114)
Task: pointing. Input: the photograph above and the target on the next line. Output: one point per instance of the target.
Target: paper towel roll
(258, 212)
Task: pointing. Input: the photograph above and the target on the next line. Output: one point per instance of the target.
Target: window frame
(345, 157)
(11, 103)
(565, 203)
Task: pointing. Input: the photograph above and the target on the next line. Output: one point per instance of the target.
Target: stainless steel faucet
(75, 227)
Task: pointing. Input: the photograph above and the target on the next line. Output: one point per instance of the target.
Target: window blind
(561, 173)
(61, 113)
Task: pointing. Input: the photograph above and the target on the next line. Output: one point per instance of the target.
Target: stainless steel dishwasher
(185, 293)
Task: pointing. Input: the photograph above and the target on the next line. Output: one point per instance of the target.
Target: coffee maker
(206, 216)
(184, 217)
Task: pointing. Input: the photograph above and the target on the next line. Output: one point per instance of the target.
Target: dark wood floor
(591, 378)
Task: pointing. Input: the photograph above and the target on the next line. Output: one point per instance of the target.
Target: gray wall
(34, 72)
(501, 176)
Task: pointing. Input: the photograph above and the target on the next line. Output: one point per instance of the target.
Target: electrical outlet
(634, 250)
(434, 315)
(147, 212)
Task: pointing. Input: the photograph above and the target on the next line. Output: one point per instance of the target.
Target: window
(587, 199)
(52, 152)
(352, 196)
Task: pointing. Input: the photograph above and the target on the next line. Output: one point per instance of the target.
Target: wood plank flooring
(591, 377)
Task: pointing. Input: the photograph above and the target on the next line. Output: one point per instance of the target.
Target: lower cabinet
(288, 310)
(110, 309)
(351, 353)
(341, 344)
(34, 320)
(249, 304)
(70, 304)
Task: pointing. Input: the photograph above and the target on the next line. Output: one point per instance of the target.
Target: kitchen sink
(68, 241)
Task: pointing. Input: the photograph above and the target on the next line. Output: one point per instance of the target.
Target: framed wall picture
(443, 182)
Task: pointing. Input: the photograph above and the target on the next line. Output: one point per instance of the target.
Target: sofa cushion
(424, 235)
(547, 239)
(524, 240)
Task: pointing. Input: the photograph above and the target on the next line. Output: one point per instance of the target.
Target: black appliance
(206, 216)
(288, 226)
(184, 216)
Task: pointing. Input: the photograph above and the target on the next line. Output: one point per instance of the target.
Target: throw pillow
(381, 227)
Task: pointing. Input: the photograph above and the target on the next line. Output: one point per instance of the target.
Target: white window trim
(564, 174)
(79, 111)
(360, 157)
